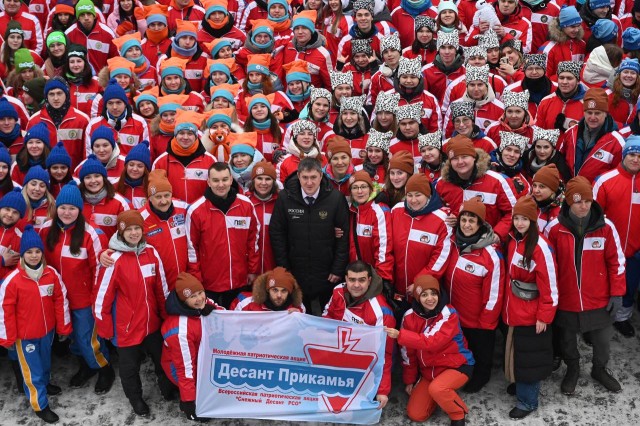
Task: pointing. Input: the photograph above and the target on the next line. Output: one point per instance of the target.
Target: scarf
(166, 128)
(269, 304)
(301, 97)
(254, 87)
(455, 65)
(162, 215)
(74, 78)
(415, 7)
(157, 36)
(116, 122)
(9, 138)
(218, 26)
(263, 46)
(350, 133)
(538, 88)
(223, 204)
(537, 165)
(58, 114)
(463, 241)
(179, 151)
(142, 65)
(58, 62)
(217, 30)
(185, 53)
(34, 272)
(133, 183)
(362, 35)
(283, 24)
(264, 125)
(37, 203)
(94, 199)
(178, 91)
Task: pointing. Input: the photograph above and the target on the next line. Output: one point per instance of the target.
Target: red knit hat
(186, 285)
(460, 145)
(578, 189)
(424, 282)
(527, 207)
(158, 182)
(402, 160)
(361, 176)
(475, 206)
(280, 277)
(420, 183)
(548, 176)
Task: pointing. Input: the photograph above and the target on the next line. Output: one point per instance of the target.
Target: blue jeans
(527, 394)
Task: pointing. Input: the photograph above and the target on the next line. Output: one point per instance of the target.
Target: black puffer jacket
(303, 237)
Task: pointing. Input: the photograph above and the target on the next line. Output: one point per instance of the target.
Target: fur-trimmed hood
(556, 34)
(260, 294)
(482, 163)
(103, 79)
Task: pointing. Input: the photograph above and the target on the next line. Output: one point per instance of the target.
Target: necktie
(310, 200)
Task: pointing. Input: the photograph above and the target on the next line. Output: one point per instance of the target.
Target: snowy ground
(592, 404)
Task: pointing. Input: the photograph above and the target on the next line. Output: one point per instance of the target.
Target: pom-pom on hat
(36, 173)
(402, 160)
(70, 194)
(158, 182)
(140, 152)
(431, 139)
(30, 240)
(578, 188)
(5, 157)
(548, 176)
(58, 155)
(92, 166)
(604, 30)
(15, 200)
(186, 285)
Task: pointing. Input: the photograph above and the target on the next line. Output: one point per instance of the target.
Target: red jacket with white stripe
(605, 155)
(78, 271)
(191, 13)
(515, 26)
(82, 96)
(540, 20)
(486, 116)
(431, 346)
(602, 263)
(30, 26)
(371, 224)
(542, 271)
(131, 134)
(9, 240)
(318, 59)
(231, 239)
(375, 312)
(405, 23)
(189, 182)
(98, 43)
(379, 83)
(436, 81)
(129, 297)
(431, 115)
(31, 309)
(104, 214)
(169, 237)
(618, 193)
(552, 105)
(421, 244)
(264, 209)
(475, 282)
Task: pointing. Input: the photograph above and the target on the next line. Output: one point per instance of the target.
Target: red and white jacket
(189, 182)
(540, 20)
(231, 239)
(133, 132)
(542, 271)
(30, 26)
(431, 115)
(169, 237)
(379, 83)
(405, 23)
(136, 195)
(129, 297)
(458, 88)
(602, 272)
(114, 168)
(436, 81)
(371, 225)
(318, 60)
(9, 240)
(104, 214)
(192, 13)
(552, 105)
(82, 96)
(98, 43)
(374, 312)
(31, 309)
(264, 209)
(78, 271)
(618, 193)
(516, 25)
(475, 282)
(486, 116)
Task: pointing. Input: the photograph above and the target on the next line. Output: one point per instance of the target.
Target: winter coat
(597, 257)
(82, 95)
(31, 28)
(561, 48)
(192, 13)
(516, 25)
(103, 215)
(493, 131)
(134, 131)
(431, 114)
(22, 317)
(552, 106)
(520, 86)
(264, 210)
(405, 23)
(480, 141)
(487, 115)
(317, 56)
(190, 182)
(458, 88)
(9, 240)
(371, 225)
(153, 51)
(436, 81)
(129, 296)
(303, 237)
(289, 164)
(541, 17)
(379, 29)
(98, 43)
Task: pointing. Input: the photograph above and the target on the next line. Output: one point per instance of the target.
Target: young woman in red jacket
(424, 44)
(531, 300)
(436, 361)
(41, 205)
(59, 167)
(376, 160)
(137, 281)
(352, 126)
(132, 184)
(263, 193)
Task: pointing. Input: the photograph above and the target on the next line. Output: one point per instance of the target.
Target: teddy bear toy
(485, 12)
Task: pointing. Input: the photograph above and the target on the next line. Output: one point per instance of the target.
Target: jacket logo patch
(596, 245)
(366, 231)
(154, 232)
(544, 19)
(424, 238)
(177, 220)
(469, 268)
(591, 104)
(186, 292)
(73, 134)
(598, 155)
(323, 214)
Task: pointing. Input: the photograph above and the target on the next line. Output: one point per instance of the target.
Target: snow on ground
(592, 404)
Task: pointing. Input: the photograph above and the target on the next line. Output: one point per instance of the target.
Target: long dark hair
(77, 234)
(23, 157)
(531, 241)
(86, 75)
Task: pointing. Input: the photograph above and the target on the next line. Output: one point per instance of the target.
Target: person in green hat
(56, 52)
(25, 69)
(14, 40)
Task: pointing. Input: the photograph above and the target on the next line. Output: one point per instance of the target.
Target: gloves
(370, 168)
(615, 303)
(124, 28)
(518, 185)
(559, 123)
(189, 409)
(278, 155)
(206, 310)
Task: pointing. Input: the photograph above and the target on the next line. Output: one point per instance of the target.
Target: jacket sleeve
(253, 250)
(546, 280)
(505, 202)
(492, 290)
(341, 258)
(278, 232)
(383, 245)
(334, 309)
(193, 245)
(437, 336)
(8, 300)
(61, 305)
(94, 250)
(184, 354)
(437, 263)
(615, 262)
(104, 294)
(410, 363)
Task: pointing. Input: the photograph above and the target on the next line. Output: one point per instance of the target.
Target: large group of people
(449, 170)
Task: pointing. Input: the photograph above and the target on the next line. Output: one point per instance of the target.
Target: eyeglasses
(359, 188)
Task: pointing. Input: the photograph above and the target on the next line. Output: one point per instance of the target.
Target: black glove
(188, 408)
(370, 168)
(559, 123)
(206, 310)
(277, 155)
(615, 303)
(518, 185)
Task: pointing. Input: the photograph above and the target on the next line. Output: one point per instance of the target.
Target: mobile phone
(504, 60)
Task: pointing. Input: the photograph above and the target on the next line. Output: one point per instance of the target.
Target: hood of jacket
(482, 164)
(596, 219)
(261, 295)
(375, 288)
(175, 306)
(598, 67)
(556, 34)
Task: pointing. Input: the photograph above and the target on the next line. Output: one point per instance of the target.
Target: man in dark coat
(303, 232)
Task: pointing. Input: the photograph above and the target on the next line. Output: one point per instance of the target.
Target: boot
(140, 407)
(106, 377)
(518, 413)
(167, 388)
(15, 365)
(568, 385)
(475, 384)
(604, 377)
(460, 422)
(53, 390)
(83, 375)
(47, 415)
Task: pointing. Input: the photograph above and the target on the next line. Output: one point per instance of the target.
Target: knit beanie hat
(85, 6)
(35, 88)
(569, 16)
(307, 19)
(128, 218)
(241, 148)
(5, 157)
(36, 173)
(92, 165)
(58, 155)
(13, 27)
(548, 176)
(527, 207)
(632, 146)
(140, 153)
(103, 132)
(7, 110)
(15, 200)
(338, 144)
(596, 98)
(70, 194)
(158, 182)
(629, 64)
(186, 285)
(597, 4)
(421, 283)
(56, 37)
(578, 188)
(475, 206)
(419, 183)
(39, 131)
(361, 176)
(447, 5)
(77, 51)
(280, 277)
(23, 60)
(30, 239)
(631, 39)
(56, 83)
(604, 30)
(402, 160)
(460, 145)
(263, 168)
(114, 91)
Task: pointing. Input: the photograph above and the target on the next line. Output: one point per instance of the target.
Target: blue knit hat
(242, 149)
(38, 173)
(629, 64)
(103, 132)
(70, 194)
(303, 20)
(114, 91)
(92, 165)
(218, 47)
(631, 38)
(5, 157)
(15, 200)
(569, 16)
(631, 147)
(39, 131)
(597, 4)
(56, 83)
(141, 153)
(30, 239)
(604, 30)
(58, 155)
(7, 110)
